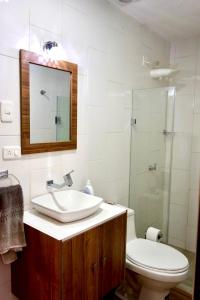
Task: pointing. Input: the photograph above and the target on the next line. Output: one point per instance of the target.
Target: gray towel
(12, 237)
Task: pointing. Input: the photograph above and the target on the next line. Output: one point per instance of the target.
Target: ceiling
(169, 18)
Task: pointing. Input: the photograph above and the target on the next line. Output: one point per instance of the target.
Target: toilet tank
(131, 232)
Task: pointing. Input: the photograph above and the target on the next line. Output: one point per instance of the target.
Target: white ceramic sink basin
(67, 206)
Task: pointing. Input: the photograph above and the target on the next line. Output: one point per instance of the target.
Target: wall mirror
(48, 104)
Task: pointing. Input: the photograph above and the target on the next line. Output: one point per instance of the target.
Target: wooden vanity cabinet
(85, 267)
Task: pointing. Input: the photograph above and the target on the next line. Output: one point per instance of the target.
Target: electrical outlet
(11, 152)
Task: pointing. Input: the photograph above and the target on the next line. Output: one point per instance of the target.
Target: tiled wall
(108, 47)
(186, 147)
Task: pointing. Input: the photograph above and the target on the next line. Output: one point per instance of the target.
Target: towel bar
(4, 175)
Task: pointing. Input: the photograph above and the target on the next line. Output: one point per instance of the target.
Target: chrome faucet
(67, 182)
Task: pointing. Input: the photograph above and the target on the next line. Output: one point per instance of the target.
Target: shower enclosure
(151, 157)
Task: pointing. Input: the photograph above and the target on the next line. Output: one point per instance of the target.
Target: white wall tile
(97, 76)
(182, 146)
(50, 21)
(75, 35)
(14, 27)
(115, 111)
(179, 197)
(78, 5)
(115, 160)
(96, 173)
(185, 79)
(177, 230)
(193, 213)
(83, 102)
(185, 47)
(176, 242)
(195, 171)
(116, 59)
(191, 239)
(99, 36)
(180, 180)
(96, 133)
(9, 81)
(183, 113)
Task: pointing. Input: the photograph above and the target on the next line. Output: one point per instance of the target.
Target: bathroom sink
(67, 206)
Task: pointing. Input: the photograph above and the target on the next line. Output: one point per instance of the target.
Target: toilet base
(150, 294)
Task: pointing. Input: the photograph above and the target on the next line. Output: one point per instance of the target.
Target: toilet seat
(156, 257)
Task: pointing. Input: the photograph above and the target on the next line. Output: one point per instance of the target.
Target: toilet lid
(156, 256)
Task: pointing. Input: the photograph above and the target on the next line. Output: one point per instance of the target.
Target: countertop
(64, 231)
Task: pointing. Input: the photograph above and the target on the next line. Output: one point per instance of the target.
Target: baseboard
(178, 294)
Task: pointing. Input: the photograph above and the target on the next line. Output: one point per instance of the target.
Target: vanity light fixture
(53, 50)
(49, 45)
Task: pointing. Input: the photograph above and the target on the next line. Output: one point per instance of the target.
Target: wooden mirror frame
(27, 57)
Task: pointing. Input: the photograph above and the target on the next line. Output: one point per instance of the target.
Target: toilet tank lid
(130, 211)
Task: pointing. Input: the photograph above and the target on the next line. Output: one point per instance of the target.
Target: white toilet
(158, 267)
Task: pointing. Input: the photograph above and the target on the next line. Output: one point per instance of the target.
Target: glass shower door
(151, 148)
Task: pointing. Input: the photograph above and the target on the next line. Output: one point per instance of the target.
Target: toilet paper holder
(154, 234)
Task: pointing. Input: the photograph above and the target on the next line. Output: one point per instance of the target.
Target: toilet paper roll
(154, 234)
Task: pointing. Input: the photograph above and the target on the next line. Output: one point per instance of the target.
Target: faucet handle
(69, 172)
(67, 178)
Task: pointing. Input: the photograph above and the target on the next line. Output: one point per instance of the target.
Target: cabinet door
(91, 263)
(36, 273)
(72, 268)
(80, 266)
(112, 256)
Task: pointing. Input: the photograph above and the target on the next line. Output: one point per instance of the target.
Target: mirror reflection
(49, 104)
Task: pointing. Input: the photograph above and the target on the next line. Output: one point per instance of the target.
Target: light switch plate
(6, 111)
(11, 152)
